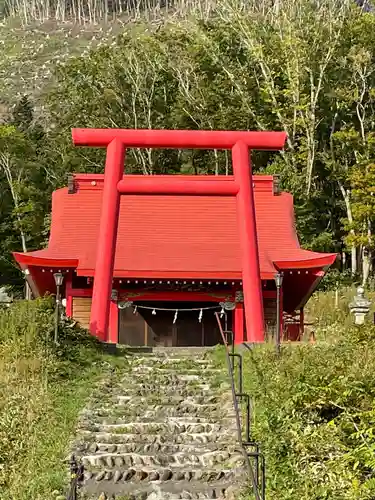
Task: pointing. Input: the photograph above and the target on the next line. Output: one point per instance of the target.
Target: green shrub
(338, 279)
(42, 390)
(314, 416)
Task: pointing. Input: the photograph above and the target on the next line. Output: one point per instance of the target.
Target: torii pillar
(240, 185)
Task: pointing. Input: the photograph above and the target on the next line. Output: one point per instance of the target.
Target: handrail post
(263, 477)
(76, 475)
(240, 371)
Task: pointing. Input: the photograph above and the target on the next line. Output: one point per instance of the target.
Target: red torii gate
(241, 143)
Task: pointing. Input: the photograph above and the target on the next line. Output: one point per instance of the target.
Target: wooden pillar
(145, 341)
(113, 323)
(252, 285)
(69, 295)
(301, 323)
(239, 333)
(174, 336)
(105, 256)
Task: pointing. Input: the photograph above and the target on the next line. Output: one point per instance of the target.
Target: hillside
(29, 54)
(34, 41)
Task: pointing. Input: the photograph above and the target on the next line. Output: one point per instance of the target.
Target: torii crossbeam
(240, 143)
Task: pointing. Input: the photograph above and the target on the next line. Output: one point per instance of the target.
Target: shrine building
(177, 262)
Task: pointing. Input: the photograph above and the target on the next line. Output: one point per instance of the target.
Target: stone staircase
(161, 429)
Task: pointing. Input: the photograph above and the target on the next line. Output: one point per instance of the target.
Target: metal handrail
(253, 476)
(76, 476)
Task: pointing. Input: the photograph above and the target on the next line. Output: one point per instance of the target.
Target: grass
(42, 391)
(329, 308)
(314, 408)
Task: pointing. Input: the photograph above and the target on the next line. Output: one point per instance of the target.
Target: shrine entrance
(239, 185)
(170, 324)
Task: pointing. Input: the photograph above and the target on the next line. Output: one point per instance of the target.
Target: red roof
(173, 236)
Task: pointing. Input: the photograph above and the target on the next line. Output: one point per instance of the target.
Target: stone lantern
(360, 306)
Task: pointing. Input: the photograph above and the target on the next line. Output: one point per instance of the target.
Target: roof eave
(28, 259)
(322, 262)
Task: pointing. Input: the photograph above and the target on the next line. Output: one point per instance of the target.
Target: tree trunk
(366, 265)
(367, 256)
(354, 262)
(28, 292)
(353, 250)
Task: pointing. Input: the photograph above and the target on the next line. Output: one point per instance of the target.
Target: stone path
(161, 429)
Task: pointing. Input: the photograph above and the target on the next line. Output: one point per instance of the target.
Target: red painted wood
(160, 296)
(269, 294)
(175, 275)
(29, 259)
(240, 142)
(180, 139)
(292, 332)
(239, 330)
(113, 323)
(105, 257)
(174, 296)
(157, 185)
(252, 285)
(322, 261)
(69, 296)
(81, 292)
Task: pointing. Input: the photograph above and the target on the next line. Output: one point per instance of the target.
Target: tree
(361, 228)
(303, 67)
(25, 195)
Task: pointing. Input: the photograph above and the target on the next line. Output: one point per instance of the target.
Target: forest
(305, 67)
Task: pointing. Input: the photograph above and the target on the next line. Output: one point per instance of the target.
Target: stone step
(162, 429)
(182, 389)
(121, 409)
(170, 399)
(177, 426)
(120, 403)
(153, 384)
(180, 458)
(105, 490)
(120, 400)
(171, 370)
(169, 378)
(144, 391)
(152, 474)
(138, 388)
(150, 358)
(162, 495)
(179, 363)
(155, 412)
(218, 494)
(191, 352)
(145, 447)
(223, 437)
